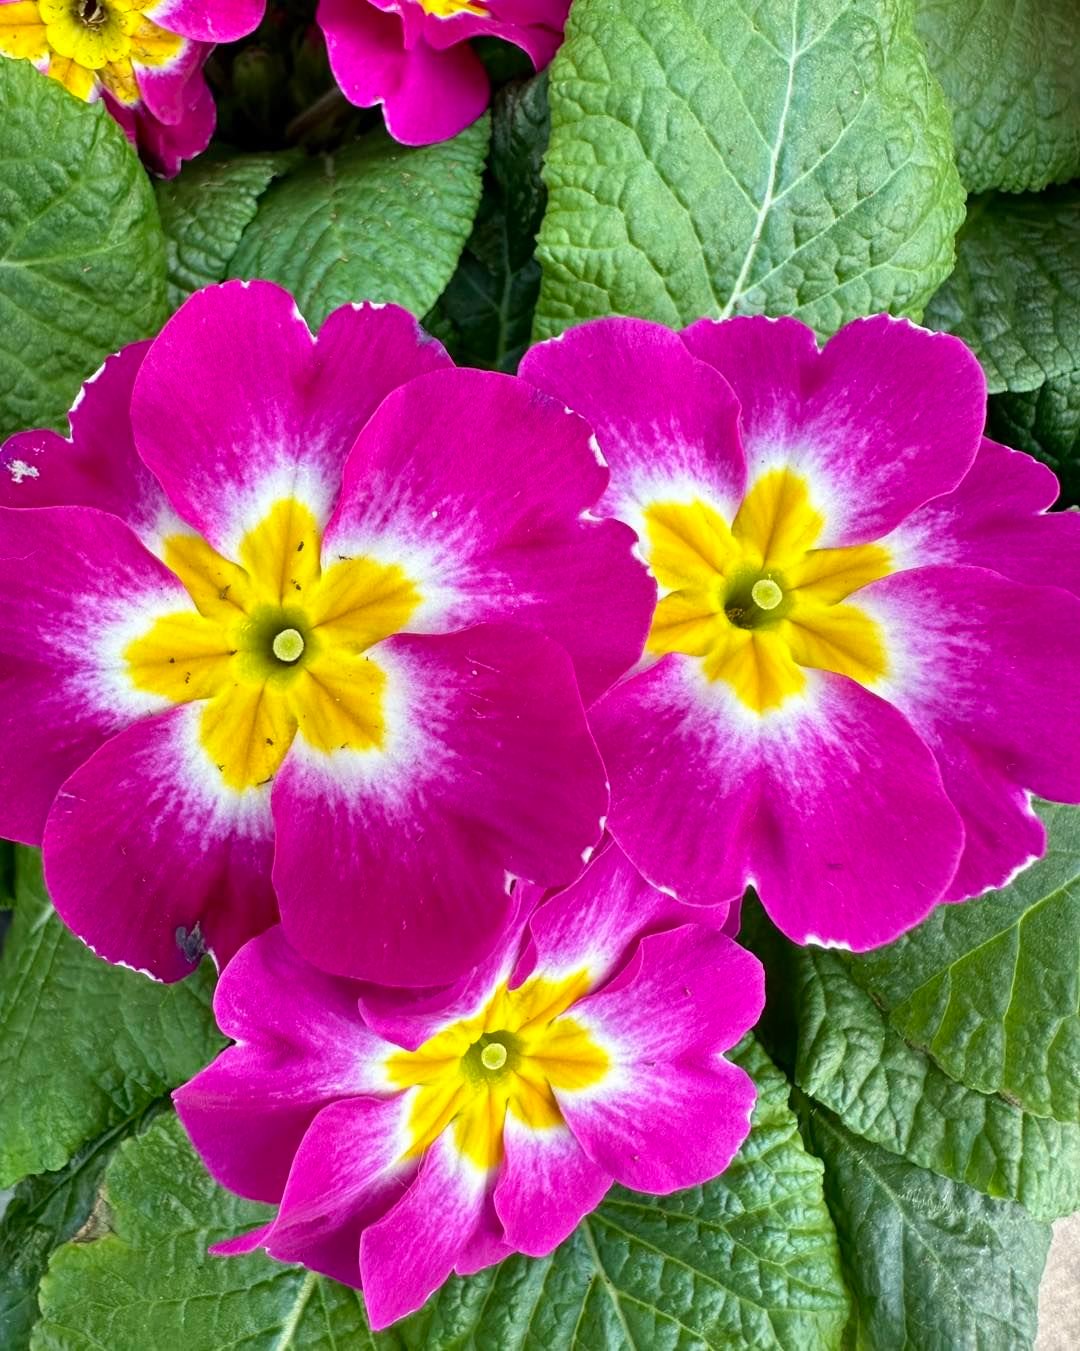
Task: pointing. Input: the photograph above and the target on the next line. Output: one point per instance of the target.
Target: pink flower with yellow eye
(865, 645)
(406, 1138)
(143, 57)
(300, 623)
(414, 58)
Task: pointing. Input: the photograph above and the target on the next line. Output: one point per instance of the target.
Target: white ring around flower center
(765, 594)
(289, 645)
(493, 1056)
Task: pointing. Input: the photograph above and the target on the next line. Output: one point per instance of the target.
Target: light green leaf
(1046, 423)
(890, 1093)
(1015, 294)
(1010, 74)
(991, 988)
(82, 257)
(376, 221)
(749, 1260)
(784, 157)
(44, 1212)
(205, 210)
(84, 1046)
(933, 1265)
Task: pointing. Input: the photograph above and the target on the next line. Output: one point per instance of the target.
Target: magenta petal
(98, 466)
(409, 1253)
(392, 865)
(166, 90)
(664, 420)
(151, 860)
(986, 672)
(482, 488)
(886, 417)
(237, 406)
(164, 146)
(76, 587)
(826, 804)
(546, 1185)
(997, 518)
(243, 1243)
(301, 1045)
(349, 1171)
(595, 922)
(208, 20)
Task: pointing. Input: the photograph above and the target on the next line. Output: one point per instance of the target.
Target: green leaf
(892, 1094)
(749, 1260)
(991, 988)
(82, 257)
(485, 315)
(44, 1212)
(205, 210)
(932, 1264)
(1046, 423)
(376, 221)
(1010, 74)
(1015, 294)
(85, 1046)
(785, 157)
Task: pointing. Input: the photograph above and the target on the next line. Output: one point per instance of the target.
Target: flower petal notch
(863, 648)
(504, 1116)
(413, 56)
(143, 57)
(304, 636)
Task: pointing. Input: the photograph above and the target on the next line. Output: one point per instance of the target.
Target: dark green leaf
(1010, 74)
(785, 157)
(1046, 423)
(933, 1265)
(376, 221)
(204, 212)
(82, 257)
(84, 1046)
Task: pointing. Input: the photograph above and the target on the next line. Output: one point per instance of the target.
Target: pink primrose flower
(300, 623)
(403, 1140)
(413, 57)
(863, 660)
(144, 57)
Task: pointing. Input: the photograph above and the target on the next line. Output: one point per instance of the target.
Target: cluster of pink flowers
(453, 712)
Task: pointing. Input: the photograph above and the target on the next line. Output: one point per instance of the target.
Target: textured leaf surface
(778, 157)
(991, 988)
(1046, 423)
(376, 221)
(84, 1046)
(82, 256)
(890, 1093)
(205, 210)
(933, 1264)
(44, 1212)
(485, 315)
(1015, 294)
(749, 1260)
(1010, 74)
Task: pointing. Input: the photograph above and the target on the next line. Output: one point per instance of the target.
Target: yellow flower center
(88, 45)
(755, 600)
(508, 1058)
(446, 9)
(277, 646)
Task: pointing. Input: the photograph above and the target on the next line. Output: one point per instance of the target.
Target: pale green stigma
(765, 594)
(289, 645)
(493, 1056)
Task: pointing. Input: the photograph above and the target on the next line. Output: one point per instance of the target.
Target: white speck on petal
(19, 469)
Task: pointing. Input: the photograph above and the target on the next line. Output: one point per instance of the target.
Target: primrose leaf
(990, 989)
(750, 1259)
(204, 212)
(1011, 77)
(84, 1046)
(374, 221)
(931, 1263)
(780, 157)
(82, 256)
